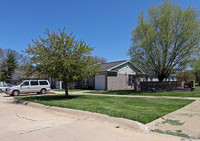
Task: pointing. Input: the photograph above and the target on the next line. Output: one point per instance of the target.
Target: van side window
(43, 83)
(33, 83)
(26, 83)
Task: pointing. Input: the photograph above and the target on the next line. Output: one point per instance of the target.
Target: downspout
(106, 81)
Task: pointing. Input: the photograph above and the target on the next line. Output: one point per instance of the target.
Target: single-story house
(118, 75)
(112, 76)
(17, 76)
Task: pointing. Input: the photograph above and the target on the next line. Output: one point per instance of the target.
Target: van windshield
(19, 83)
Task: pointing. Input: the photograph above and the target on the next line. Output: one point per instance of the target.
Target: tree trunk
(136, 84)
(66, 88)
(161, 77)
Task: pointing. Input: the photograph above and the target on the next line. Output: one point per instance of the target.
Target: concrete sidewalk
(30, 123)
(184, 122)
(142, 96)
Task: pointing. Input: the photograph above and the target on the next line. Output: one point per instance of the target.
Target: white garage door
(99, 82)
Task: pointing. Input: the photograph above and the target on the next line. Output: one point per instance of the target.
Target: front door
(25, 87)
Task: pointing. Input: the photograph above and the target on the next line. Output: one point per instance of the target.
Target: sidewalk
(30, 123)
(183, 122)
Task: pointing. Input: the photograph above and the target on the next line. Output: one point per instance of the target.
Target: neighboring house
(113, 76)
(172, 77)
(17, 76)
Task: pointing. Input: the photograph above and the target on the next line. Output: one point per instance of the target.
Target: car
(29, 86)
(4, 86)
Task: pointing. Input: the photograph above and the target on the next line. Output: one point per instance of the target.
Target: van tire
(43, 91)
(15, 93)
(0, 90)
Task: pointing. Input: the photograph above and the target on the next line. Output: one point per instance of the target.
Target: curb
(126, 123)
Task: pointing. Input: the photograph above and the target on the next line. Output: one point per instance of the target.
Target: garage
(100, 81)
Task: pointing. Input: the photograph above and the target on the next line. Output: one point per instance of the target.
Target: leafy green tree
(10, 60)
(165, 39)
(9, 64)
(62, 57)
(186, 76)
(195, 65)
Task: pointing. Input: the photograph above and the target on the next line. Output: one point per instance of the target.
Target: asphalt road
(26, 123)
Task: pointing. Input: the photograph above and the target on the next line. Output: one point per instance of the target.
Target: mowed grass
(169, 93)
(143, 110)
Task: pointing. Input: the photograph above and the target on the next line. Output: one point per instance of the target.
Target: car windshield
(6, 85)
(19, 83)
(9, 85)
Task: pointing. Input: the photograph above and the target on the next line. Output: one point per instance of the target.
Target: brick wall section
(117, 82)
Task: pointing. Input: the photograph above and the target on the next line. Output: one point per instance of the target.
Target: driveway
(24, 122)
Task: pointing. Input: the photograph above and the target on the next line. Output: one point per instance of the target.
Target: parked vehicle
(4, 86)
(29, 86)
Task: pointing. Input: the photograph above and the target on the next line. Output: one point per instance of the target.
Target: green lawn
(143, 110)
(70, 90)
(195, 93)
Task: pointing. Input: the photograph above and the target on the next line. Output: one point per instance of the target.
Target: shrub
(186, 76)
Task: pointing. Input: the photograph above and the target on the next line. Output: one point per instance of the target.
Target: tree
(9, 64)
(165, 39)
(62, 57)
(186, 76)
(100, 60)
(10, 60)
(195, 65)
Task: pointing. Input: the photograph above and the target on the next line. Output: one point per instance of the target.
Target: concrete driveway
(24, 122)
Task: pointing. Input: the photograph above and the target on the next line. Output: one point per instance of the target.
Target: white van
(29, 86)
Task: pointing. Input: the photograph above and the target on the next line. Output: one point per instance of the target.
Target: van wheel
(43, 91)
(0, 90)
(15, 93)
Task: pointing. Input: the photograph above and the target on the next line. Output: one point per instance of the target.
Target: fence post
(192, 85)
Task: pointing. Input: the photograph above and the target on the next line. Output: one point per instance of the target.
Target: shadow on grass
(48, 97)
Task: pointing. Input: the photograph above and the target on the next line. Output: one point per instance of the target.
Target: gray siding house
(113, 76)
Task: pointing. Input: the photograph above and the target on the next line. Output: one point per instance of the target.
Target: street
(23, 122)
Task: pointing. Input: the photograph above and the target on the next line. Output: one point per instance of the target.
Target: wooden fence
(165, 85)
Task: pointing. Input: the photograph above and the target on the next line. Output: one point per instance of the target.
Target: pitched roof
(108, 66)
(22, 75)
(111, 65)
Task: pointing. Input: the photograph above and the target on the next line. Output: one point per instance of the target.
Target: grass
(177, 133)
(143, 110)
(173, 122)
(70, 90)
(169, 93)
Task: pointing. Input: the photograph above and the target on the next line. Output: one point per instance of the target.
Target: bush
(186, 76)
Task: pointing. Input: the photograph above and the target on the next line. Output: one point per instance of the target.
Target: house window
(130, 80)
(85, 81)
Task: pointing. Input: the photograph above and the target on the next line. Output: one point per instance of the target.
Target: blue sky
(104, 24)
